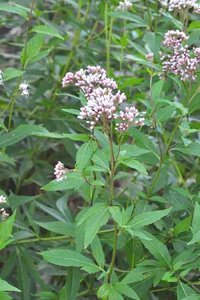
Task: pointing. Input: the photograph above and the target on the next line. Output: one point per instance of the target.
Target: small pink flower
(2, 199)
(60, 171)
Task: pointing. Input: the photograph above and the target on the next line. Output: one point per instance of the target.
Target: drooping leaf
(13, 9)
(6, 287)
(69, 258)
(147, 218)
(47, 30)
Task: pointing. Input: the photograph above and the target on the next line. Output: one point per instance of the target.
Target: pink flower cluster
(181, 4)
(124, 5)
(3, 212)
(103, 98)
(180, 60)
(60, 171)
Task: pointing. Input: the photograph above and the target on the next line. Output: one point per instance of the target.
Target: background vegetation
(153, 225)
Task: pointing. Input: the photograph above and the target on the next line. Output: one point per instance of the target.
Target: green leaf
(97, 251)
(73, 283)
(195, 225)
(47, 30)
(64, 228)
(11, 73)
(6, 159)
(116, 215)
(13, 9)
(6, 230)
(6, 287)
(69, 258)
(157, 89)
(73, 181)
(94, 223)
(16, 200)
(158, 250)
(138, 274)
(30, 52)
(5, 296)
(124, 289)
(191, 149)
(184, 291)
(147, 218)
(85, 153)
(71, 111)
(134, 164)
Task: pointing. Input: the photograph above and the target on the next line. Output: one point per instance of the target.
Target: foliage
(124, 222)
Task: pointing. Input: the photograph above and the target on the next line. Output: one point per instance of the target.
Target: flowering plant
(99, 150)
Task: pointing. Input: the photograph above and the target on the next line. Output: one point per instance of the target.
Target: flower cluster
(181, 4)
(3, 212)
(103, 98)
(150, 57)
(124, 5)
(60, 171)
(128, 117)
(1, 77)
(24, 89)
(2, 199)
(180, 60)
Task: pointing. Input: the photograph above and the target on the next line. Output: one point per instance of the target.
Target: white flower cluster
(2, 199)
(103, 98)
(24, 89)
(124, 5)
(172, 5)
(179, 59)
(1, 77)
(60, 171)
(3, 212)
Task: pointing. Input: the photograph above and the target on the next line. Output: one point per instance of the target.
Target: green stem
(40, 239)
(112, 263)
(108, 32)
(15, 93)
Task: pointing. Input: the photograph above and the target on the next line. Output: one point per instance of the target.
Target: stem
(108, 31)
(112, 167)
(40, 239)
(15, 93)
(112, 263)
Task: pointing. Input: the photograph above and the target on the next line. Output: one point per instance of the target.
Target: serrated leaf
(94, 223)
(97, 251)
(72, 181)
(64, 228)
(69, 258)
(147, 218)
(85, 153)
(158, 250)
(134, 164)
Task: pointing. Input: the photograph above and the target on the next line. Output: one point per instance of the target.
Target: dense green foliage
(125, 222)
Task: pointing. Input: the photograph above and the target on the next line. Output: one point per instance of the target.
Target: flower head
(179, 59)
(1, 77)
(180, 5)
(24, 88)
(174, 38)
(60, 171)
(124, 5)
(3, 214)
(102, 95)
(150, 56)
(2, 199)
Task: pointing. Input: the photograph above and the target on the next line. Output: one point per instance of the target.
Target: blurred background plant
(40, 42)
